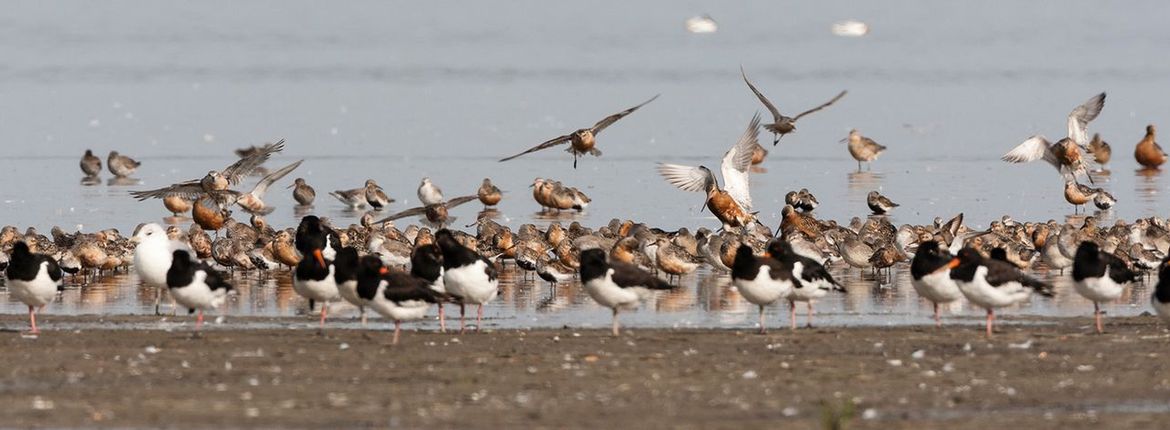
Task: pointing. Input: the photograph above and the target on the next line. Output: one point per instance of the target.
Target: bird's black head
(345, 264)
(998, 253)
(593, 264)
(744, 265)
(779, 249)
(369, 276)
(427, 262)
(1088, 250)
(20, 249)
(445, 239)
(969, 255)
(929, 247)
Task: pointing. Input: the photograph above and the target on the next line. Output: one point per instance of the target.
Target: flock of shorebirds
(400, 274)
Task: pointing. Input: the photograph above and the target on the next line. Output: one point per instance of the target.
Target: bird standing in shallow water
(863, 149)
(1100, 277)
(489, 194)
(781, 124)
(120, 165)
(1148, 153)
(467, 275)
(1065, 154)
(34, 279)
(616, 285)
(931, 276)
(196, 285)
(760, 280)
(583, 141)
(991, 284)
(303, 193)
(91, 164)
(879, 204)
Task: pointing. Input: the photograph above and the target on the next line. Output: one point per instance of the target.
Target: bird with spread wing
(733, 203)
(781, 124)
(1066, 154)
(215, 183)
(583, 141)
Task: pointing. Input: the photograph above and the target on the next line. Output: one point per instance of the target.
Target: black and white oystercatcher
(195, 285)
(617, 285)
(34, 279)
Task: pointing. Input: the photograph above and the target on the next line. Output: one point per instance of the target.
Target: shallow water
(705, 300)
(395, 91)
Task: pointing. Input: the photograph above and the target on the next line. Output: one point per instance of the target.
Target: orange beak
(383, 270)
(953, 263)
(767, 254)
(320, 258)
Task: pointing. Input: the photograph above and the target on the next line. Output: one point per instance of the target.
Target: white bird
(152, 258)
(1066, 155)
(701, 24)
(429, 193)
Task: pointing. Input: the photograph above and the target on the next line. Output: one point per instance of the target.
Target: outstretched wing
(768, 104)
(406, 213)
(609, 120)
(460, 200)
(189, 190)
(827, 104)
(244, 167)
(262, 186)
(687, 178)
(1079, 118)
(736, 164)
(1035, 148)
(547, 144)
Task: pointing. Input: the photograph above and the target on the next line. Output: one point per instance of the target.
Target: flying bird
(783, 124)
(583, 141)
(1065, 155)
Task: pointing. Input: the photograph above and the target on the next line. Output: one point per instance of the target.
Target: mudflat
(1038, 374)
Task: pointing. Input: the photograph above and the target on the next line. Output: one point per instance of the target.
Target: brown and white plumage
(734, 167)
(215, 182)
(782, 124)
(1065, 155)
(583, 140)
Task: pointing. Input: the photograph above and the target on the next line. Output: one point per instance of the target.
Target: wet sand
(1042, 373)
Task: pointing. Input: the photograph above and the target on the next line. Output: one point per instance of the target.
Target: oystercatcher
(1161, 298)
(583, 141)
(196, 285)
(314, 278)
(930, 273)
(345, 270)
(992, 284)
(1099, 276)
(783, 125)
(760, 280)
(395, 294)
(34, 279)
(617, 285)
(467, 275)
(810, 279)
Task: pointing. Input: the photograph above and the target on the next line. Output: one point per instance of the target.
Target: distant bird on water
(1148, 153)
(583, 141)
(489, 194)
(879, 204)
(371, 194)
(733, 204)
(91, 164)
(863, 149)
(782, 124)
(1065, 155)
(303, 193)
(121, 165)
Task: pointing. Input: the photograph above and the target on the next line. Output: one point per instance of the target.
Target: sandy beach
(1042, 374)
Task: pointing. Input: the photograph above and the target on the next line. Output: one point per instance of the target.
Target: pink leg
(199, 320)
(324, 313)
(1097, 315)
(990, 320)
(616, 330)
(810, 313)
(462, 315)
(937, 318)
(479, 318)
(363, 311)
(442, 319)
(32, 319)
(397, 328)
